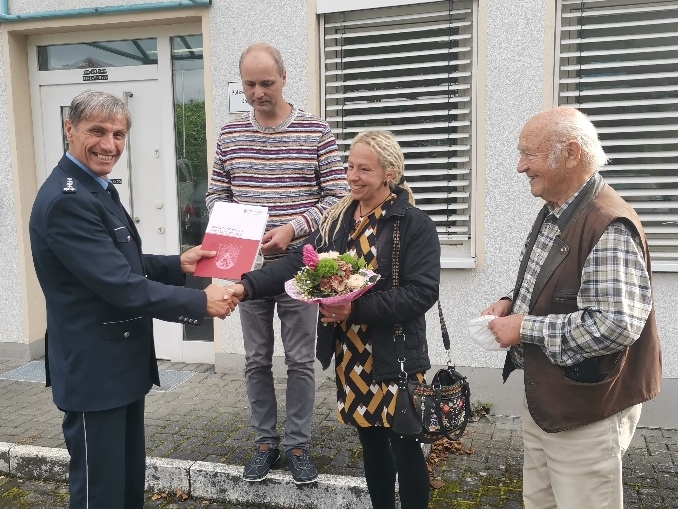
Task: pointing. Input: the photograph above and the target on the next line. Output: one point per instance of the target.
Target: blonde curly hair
(390, 158)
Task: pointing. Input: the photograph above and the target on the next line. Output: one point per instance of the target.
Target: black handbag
(406, 421)
(428, 412)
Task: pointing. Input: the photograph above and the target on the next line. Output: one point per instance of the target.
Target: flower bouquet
(330, 278)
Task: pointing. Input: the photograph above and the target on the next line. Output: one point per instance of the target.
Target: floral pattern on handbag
(444, 406)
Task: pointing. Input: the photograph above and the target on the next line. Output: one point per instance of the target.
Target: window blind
(618, 64)
(408, 69)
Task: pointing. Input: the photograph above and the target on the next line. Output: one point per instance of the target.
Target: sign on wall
(236, 98)
(98, 74)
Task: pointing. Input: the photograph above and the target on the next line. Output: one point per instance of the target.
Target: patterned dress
(361, 402)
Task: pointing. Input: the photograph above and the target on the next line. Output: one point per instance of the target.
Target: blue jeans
(298, 330)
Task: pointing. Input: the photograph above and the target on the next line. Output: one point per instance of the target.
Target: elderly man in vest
(580, 320)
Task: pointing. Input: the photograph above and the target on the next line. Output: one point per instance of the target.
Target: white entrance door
(145, 175)
(138, 175)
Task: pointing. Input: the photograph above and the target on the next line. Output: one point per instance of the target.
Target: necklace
(361, 216)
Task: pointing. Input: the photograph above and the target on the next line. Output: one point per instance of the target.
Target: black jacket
(383, 306)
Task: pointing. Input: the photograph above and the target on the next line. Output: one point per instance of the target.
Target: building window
(408, 69)
(88, 55)
(618, 61)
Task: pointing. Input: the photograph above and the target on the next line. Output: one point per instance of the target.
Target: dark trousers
(108, 457)
(384, 455)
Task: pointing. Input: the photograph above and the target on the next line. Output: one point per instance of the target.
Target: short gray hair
(574, 125)
(91, 103)
(267, 48)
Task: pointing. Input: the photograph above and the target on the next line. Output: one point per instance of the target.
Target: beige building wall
(514, 80)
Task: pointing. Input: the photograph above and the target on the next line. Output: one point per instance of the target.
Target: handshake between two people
(221, 301)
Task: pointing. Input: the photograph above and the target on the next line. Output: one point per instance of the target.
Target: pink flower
(334, 284)
(325, 284)
(344, 267)
(309, 256)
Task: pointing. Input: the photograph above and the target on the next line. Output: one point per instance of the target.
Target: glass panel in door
(133, 52)
(191, 154)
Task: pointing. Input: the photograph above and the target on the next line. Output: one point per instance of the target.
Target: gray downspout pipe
(117, 9)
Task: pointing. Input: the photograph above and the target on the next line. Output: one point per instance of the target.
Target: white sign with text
(236, 98)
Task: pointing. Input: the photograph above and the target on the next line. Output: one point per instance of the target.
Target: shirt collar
(102, 181)
(557, 212)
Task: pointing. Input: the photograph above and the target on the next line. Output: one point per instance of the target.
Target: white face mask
(480, 334)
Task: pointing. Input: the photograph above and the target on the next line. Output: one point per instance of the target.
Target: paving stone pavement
(206, 418)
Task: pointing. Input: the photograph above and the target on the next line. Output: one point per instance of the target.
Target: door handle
(128, 147)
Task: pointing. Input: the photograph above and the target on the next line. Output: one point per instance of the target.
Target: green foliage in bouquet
(327, 267)
(307, 280)
(355, 263)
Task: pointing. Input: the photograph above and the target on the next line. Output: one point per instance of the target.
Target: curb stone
(201, 479)
(35, 462)
(4, 456)
(225, 483)
(167, 474)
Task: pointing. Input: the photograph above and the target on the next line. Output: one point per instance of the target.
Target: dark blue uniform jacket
(101, 294)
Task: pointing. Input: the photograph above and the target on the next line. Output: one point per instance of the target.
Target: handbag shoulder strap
(443, 327)
(398, 334)
(398, 327)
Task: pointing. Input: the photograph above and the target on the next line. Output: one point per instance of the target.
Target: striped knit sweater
(294, 169)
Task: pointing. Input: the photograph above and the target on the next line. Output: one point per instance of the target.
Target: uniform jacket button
(126, 334)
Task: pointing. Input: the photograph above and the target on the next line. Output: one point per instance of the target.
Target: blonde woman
(361, 339)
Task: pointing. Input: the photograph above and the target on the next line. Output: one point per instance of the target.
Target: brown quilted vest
(633, 375)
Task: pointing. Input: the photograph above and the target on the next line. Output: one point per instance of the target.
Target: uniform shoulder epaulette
(69, 185)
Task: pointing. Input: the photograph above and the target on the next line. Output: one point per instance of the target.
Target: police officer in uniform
(102, 293)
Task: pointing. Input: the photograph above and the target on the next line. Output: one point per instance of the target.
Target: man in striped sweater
(287, 160)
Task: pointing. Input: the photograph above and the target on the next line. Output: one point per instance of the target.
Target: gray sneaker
(259, 465)
(301, 465)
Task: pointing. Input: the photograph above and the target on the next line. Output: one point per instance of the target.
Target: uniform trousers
(298, 322)
(579, 468)
(108, 457)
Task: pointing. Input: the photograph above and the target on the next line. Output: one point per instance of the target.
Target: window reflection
(90, 55)
(191, 155)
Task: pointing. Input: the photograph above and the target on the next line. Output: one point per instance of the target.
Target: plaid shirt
(614, 299)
